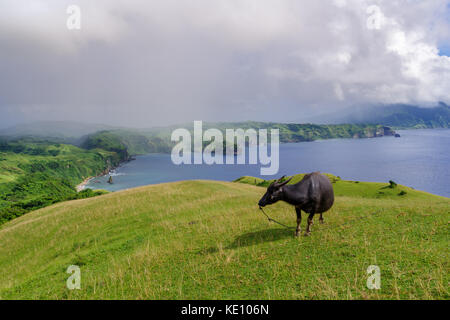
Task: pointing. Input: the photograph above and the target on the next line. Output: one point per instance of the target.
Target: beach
(82, 185)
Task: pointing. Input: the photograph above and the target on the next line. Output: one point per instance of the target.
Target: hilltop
(208, 240)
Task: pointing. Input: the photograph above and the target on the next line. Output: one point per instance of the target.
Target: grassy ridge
(354, 188)
(207, 240)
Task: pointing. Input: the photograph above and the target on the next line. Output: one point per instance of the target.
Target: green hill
(128, 142)
(208, 240)
(34, 174)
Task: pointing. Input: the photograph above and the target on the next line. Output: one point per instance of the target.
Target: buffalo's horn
(283, 183)
(276, 182)
(286, 182)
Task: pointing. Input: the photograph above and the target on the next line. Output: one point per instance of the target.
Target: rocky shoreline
(82, 185)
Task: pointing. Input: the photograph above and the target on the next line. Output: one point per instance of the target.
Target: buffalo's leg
(299, 220)
(321, 219)
(310, 222)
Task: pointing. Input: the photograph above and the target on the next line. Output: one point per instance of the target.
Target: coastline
(82, 185)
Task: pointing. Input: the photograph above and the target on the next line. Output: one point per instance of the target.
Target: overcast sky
(147, 63)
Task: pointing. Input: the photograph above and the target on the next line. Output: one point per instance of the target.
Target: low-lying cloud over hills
(146, 63)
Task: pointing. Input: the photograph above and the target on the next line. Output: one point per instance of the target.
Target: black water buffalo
(314, 194)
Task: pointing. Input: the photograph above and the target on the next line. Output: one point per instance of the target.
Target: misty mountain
(62, 131)
(396, 116)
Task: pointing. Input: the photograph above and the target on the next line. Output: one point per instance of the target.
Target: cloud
(154, 62)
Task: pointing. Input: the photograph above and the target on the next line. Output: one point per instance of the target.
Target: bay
(419, 159)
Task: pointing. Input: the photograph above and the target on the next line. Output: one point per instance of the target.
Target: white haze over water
(146, 63)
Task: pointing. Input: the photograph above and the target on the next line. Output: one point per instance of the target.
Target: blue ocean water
(419, 159)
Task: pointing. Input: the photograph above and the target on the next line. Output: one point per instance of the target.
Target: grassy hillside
(204, 239)
(36, 174)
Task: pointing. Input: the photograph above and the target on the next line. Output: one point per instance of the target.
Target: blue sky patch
(444, 50)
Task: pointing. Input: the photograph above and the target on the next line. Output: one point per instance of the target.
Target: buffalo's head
(274, 192)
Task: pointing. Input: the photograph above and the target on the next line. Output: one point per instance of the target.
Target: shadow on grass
(254, 238)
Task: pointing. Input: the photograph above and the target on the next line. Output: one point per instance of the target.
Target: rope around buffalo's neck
(272, 220)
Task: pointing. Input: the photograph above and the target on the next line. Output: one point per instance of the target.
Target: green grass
(208, 240)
